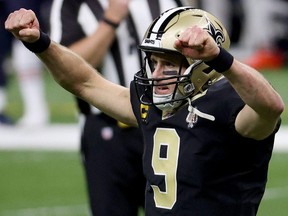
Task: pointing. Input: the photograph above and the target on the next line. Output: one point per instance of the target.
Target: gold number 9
(164, 163)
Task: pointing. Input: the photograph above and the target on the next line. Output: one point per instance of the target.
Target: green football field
(51, 183)
(41, 183)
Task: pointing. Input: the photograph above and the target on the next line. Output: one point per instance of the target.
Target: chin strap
(193, 114)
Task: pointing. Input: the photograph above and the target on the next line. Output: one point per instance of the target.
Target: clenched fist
(24, 25)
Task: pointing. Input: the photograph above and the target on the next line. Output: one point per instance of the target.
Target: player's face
(165, 66)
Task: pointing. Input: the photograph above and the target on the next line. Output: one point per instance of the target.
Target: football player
(118, 27)
(208, 120)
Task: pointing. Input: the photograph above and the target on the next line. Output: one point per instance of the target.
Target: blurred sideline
(66, 137)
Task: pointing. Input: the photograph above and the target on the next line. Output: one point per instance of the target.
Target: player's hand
(24, 25)
(196, 43)
(117, 10)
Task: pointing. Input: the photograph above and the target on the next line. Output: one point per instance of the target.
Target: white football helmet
(159, 38)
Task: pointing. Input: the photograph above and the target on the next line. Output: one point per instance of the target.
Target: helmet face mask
(180, 80)
(160, 38)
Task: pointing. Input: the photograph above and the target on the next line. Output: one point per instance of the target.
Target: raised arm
(72, 72)
(263, 107)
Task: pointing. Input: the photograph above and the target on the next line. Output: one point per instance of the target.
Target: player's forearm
(255, 90)
(74, 74)
(67, 68)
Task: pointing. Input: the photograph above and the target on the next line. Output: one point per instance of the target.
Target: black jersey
(206, 168)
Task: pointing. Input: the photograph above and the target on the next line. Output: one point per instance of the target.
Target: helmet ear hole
(189, 88)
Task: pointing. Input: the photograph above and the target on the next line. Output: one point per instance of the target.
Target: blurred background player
(6, 41)
(106, 33)
(27, 67)
(4, 119)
